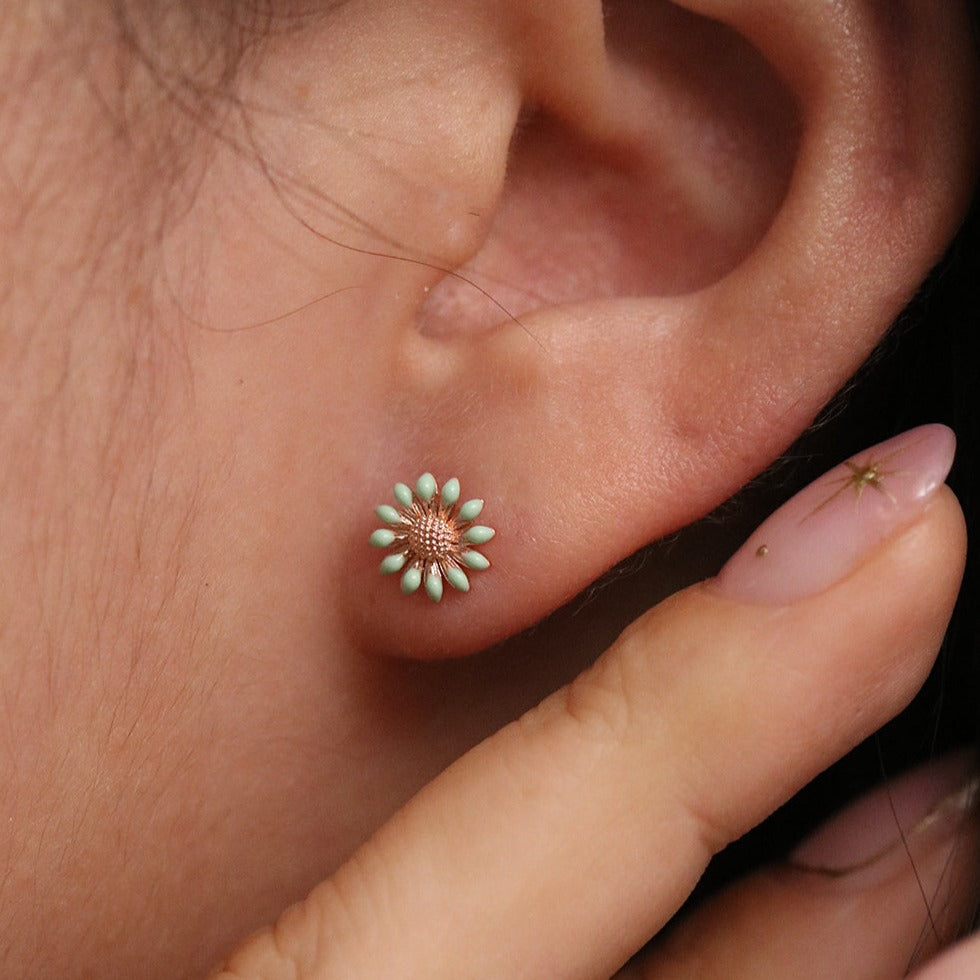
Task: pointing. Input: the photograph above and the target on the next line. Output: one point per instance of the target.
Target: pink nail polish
(823, 533)
(924, 805)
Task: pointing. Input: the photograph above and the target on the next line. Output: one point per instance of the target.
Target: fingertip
(831, 526)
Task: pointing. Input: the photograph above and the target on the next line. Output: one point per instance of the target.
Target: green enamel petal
(392, 564)
(471, 510)
(403, 494)
(433, 585)
(474, 560)
(388, 514)
(457, 579)
(383, 538)
(411, 580)
(450, 492)
(426, 486)
(478, 534)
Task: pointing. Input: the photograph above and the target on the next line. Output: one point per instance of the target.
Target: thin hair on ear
(195, 52)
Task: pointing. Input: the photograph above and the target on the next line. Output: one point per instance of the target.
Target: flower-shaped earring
(433, 538)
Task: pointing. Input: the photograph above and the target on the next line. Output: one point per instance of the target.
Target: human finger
(558, 846)
(873, 893)
(962, 962)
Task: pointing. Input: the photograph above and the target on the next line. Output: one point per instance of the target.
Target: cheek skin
(172, 772)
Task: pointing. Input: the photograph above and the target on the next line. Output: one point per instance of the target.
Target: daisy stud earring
(433, 537)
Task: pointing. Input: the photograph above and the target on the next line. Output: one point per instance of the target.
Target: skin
(210, 373)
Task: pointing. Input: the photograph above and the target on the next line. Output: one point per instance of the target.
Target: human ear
(619, 257)
(602, 421)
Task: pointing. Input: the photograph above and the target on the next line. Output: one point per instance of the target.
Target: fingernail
(922, 807)
(824, 532)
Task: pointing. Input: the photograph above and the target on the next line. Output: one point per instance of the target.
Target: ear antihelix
(886, 157)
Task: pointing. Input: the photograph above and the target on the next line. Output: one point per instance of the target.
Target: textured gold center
(432, 537)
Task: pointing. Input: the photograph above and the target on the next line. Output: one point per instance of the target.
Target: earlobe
(605, 420)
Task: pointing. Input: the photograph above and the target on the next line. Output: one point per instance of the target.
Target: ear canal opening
(694, 160)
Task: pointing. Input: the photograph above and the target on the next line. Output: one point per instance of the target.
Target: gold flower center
(432, 537)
